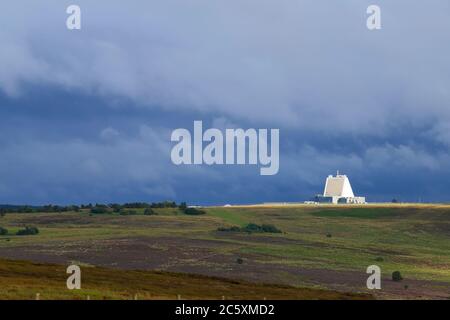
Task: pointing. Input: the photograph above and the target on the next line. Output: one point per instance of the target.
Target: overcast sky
(86, 116)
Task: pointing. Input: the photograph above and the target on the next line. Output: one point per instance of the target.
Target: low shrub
(230, 229)
(3, 231)
(99, 210)
(252, 228)
(150, 212)
(193, 211)
(397, 276)
(270, 228)
(27, 231)
(265, 228)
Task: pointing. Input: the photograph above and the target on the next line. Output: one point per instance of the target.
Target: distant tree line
(127, 208)
(30, 209)
(143, 205)
(98, 208)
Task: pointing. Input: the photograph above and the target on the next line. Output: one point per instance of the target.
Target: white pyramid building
(338, 186)
(339, 190)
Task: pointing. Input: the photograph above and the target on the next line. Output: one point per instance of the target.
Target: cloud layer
(104, 99)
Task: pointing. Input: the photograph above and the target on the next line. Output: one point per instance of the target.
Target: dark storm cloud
(86, 116)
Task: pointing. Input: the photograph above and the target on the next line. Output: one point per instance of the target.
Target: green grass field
(326, 247)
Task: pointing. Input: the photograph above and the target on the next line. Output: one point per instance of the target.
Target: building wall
(338, 186)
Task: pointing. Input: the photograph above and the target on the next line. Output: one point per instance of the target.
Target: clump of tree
(252, 228)
(3, 231)
(164, 204)
(229, 229)
(27, 231)
(115, 207)
(193, 211)
(100, 209)
(183, 206)
(150, 212)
